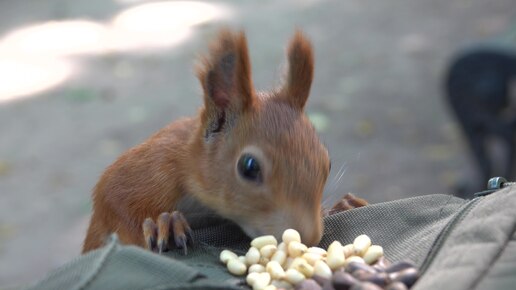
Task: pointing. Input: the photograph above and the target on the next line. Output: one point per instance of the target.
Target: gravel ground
(376, 100)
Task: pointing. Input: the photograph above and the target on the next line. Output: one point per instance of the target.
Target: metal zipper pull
(495, 184)
(498, 183)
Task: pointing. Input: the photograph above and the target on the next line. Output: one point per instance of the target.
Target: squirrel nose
(310, 228)
(311, 235)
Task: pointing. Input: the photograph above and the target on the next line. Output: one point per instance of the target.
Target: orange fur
(197, 157)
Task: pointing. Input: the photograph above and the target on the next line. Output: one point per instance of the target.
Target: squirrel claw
(189, 236)
(150, 232)
(181, 230)
(181, 243)
(151, 243)
(162, 246)
(169, 225)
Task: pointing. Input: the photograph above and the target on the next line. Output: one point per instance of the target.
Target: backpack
(456, 243)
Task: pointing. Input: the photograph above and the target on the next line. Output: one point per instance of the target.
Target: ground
(376, 100)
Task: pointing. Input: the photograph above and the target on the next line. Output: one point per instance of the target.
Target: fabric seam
(495, 258)
(442, 207)
(447, 230)
(99, 265)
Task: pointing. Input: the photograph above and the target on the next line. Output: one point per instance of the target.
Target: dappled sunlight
(132, 1)
(160, 24)
(126, 39)
(165, 16)
(22, 78)
(154, 25)
(32, 57)
(56, 38)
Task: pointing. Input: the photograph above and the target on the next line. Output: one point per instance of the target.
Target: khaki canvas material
(458, 244)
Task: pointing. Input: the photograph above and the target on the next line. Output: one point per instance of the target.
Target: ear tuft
(225, 74)
(300, 71)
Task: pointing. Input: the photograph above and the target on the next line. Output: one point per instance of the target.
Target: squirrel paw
(347, 202)
(169, 226)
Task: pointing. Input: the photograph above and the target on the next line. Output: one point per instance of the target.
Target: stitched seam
(495, 258)
(99, 265)
(445, 232)
(442, 207)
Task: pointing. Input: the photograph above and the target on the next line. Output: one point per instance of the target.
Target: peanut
(311, 258)
(351, 267)
(282, 247)
(252, 256)
(396, 286)
(227, 255)
(256, 268)
(267, 251)
(354, 259)
(335, 257)
(296, 249)
(236, 267)
(322, 269)
(274, 268)
(262, 241)
(360, 244)
(399, 266)
(263, 261)
(242, 259)
(309, 284)
(294, 277)
(407, 276)
(291, 235)
(251, 278)
(262, 280)
(280, 257)
(288, 262)
(372, 254)
(281, 284)
(303, 267)
(317, 250)
(349, 250)
(271, 266)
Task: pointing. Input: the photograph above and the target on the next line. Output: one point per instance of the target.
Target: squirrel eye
(249, 168)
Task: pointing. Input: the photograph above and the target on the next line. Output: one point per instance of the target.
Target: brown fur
(197, 157)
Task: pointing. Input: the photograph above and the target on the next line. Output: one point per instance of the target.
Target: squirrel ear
(225, 75)
(300, 71)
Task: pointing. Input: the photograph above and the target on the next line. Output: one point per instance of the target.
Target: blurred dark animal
(480, 88)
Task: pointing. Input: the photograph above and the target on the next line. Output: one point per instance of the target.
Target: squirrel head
(258, 159)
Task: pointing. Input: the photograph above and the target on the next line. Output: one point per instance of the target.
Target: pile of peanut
(292, 265)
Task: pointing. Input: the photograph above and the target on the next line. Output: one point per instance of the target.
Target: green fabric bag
(458, 244)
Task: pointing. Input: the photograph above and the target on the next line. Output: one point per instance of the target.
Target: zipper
(445, 233)
(494, 184)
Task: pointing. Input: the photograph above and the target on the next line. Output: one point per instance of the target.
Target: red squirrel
(251, 157)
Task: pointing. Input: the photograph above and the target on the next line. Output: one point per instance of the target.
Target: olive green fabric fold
(479, 252)
(460, 244)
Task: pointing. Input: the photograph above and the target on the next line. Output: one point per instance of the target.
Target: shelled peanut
(291, 264)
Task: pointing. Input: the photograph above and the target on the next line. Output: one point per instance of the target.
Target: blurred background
(81, 81)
